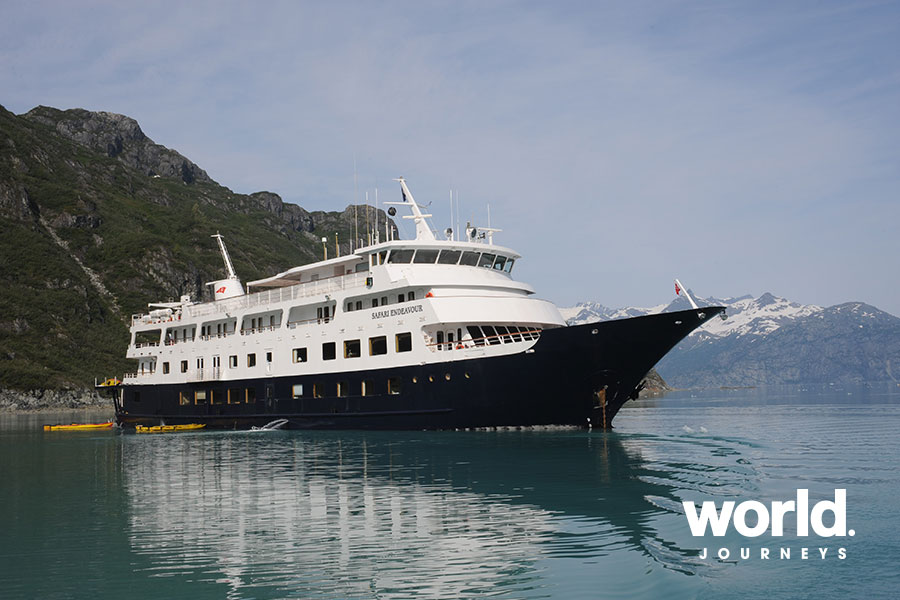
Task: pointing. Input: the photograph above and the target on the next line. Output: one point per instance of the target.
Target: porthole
(593, 332)
(447, 376)
(430, 378)
(468, 376)
(415, 380)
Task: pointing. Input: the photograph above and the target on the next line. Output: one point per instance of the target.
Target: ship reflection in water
(433, 514)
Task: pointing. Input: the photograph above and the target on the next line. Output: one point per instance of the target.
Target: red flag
(677, 290)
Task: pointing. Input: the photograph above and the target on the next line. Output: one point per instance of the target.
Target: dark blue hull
(579, 375)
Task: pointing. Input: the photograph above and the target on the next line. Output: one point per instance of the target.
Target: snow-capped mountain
(771, 340)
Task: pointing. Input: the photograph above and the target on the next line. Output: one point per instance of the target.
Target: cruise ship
(427, 333)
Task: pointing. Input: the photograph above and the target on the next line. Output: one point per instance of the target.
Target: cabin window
(329, 351)
(352, 349)
(476, 334)
(374, 302)
(515, 333)
(234, 396)
(449, 257)
(384, 301)
(360, 267)
(165, 368)
(232, 361)
(491, 335)
(440, 340)
(299, 355)
(426, 256)
(487, 260)
(382, 256)
(368, 387)
(509, 265)
(404, 342)
(411, 296)
(469, 259)
(184, 366)
(359, 305)
(200, 363)
(250, 395)
(394, 385)
(268, 357)
(401, 256)
(500, 262)
(343, 389)
(378, 345)
(297, 391)
(349, 307)
(200, 397)
(318, 390)
(215, 397)
(401, 298)
(251, 360)
(184, 398)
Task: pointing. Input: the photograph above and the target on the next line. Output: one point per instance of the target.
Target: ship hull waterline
(579, 375)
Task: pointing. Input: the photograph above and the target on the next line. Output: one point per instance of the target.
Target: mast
(228, 266)
(423, 232)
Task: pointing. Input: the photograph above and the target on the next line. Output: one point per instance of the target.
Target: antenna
(355, 202)
(228, 266)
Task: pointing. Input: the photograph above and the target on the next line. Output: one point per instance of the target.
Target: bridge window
(449, 257)
(487, 260)
(401, 256)
(500, 262)
(469, 259)
(426, 256)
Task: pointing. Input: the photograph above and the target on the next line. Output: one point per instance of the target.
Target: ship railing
(488, 340)
(145, 344)
(252, 330)
(212, 336)
(129, 376)
(301, 322)
(138, 319)
(282, 294)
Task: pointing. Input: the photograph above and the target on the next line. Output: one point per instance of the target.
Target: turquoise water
(503, 514)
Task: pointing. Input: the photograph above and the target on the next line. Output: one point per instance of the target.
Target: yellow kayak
(79, 426)
(168, 428)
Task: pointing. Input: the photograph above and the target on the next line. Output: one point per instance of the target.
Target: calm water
(505, 514)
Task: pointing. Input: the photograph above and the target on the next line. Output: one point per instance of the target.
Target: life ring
(459, 346)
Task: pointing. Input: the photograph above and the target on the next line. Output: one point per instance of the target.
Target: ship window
(268, 357)
(440, 340)
(426, 256)
(509, 265)
(328, 351)
(200, 363)
(401, 298)
(500, 262)
(476, 334)
(318, 390)
(449, 257)
(297, 391)
(200, 397)
(504, 334)
(374, 302)
(368, 388)
(215, 397)
(411, 296)
(349, 307)
(404, 342)
(165, 368)
(486, 260)
(401, 256)
(299, 355)
(382, 256)
(251, 360)
(394, 385)
(469, 259)
(360, 267)
(234, 396)
(184, 366)
(232, 361)
(137, 396)
(515, 333)
(384, 301)
(359, 305)
(343, 389)
(352, 349)
(377, 345)
(491, 335)
(184, 398)
(250, 395)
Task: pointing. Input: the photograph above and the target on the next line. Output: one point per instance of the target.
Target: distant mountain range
(771, 340)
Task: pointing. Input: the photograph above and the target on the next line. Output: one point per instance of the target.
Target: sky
(743, 147)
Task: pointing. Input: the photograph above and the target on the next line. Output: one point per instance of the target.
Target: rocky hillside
(97, 220)
(771, 340)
